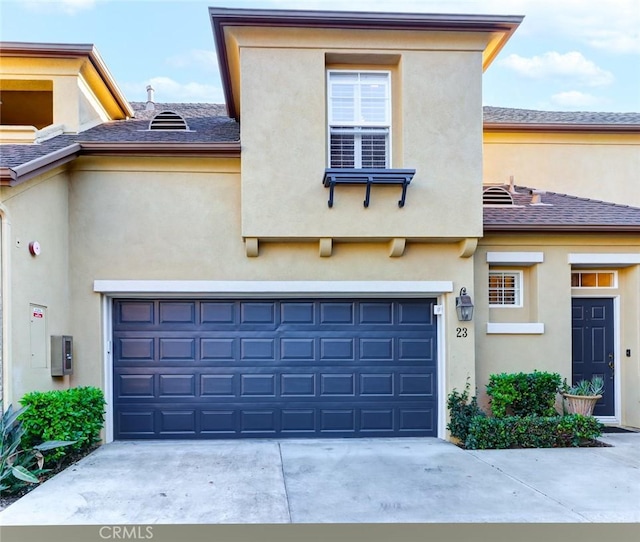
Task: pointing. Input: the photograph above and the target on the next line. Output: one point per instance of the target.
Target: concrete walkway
(336, 481)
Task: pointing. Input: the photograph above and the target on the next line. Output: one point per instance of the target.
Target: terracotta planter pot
(581, 404)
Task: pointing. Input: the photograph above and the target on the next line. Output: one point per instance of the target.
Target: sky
(567, 55)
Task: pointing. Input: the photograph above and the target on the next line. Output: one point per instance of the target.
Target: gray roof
(208, 123)
(559, 212)
(500, 115)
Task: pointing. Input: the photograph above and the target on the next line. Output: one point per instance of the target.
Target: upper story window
(505, 288)
(359, 113)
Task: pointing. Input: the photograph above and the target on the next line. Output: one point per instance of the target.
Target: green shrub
(531, 431)
(75, 414)
(523, 394)
(461, 412)
(20, 466)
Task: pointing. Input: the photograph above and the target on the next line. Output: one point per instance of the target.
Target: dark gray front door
(274, 368)
(593, 347)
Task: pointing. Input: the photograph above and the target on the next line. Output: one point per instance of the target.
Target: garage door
(274, 368)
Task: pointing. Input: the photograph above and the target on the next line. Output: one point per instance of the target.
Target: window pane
(589, 280)
(605, 280)
(374, 151)
(342, 151)
(343, 102)
(575, 280)
(504, 288)
(373, 102)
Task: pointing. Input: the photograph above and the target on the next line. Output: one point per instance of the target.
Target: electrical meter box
(61, 355)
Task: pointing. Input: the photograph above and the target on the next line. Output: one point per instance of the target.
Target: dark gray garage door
(274, 368)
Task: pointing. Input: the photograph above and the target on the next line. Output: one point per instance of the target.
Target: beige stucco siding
(547, 301)
(38, 211)
(150, 219)
(599, 166)
(436, 130)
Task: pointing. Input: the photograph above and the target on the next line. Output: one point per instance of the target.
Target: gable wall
(437, 127)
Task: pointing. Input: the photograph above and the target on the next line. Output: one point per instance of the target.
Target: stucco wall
(436, 130)
(39, 212)
(548, 301)
(180, 220)
(598, 166)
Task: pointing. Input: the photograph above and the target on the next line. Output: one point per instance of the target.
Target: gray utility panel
(274, 368)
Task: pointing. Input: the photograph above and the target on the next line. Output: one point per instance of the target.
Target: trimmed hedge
(523, 394)
(73, 414)
(531, 431)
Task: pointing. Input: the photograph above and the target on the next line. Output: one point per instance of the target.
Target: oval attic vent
(168, 120)
(496, 195)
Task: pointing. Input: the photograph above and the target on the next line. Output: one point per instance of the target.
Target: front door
(593, 347)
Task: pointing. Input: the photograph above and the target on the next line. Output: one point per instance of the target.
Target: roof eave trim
(70, 50)
(28, 170)
(560, 127)
(349, 20)
(7, 176)
(561, 228)
(219, 150)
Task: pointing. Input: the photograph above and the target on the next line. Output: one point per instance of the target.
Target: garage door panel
(219, 349)
(421, 350)
(218, 385)
(218, 313)
(377, 349)
(334, 349)
(416, 314)
(337, 313)
(265, 420)
(136, 385)
(260, 368)
(177, 312)
(259, 315)
(177, 385)
(183, 349)
(135, 312)
(298, 313)
(302, 349)
(298, 385)
(376, 313)
(177, 423)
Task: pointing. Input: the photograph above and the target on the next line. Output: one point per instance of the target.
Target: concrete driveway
(336, 481)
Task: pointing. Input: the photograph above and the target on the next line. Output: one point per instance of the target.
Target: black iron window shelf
(368, 177)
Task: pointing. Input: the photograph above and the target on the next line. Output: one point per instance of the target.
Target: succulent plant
(595, 386)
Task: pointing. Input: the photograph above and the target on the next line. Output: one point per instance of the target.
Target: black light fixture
(464, 306)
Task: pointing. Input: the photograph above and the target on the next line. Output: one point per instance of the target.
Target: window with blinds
(505, 288)
(359, 112)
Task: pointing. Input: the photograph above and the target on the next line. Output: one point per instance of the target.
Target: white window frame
(596, 272)
(518, 289)
(357, 127)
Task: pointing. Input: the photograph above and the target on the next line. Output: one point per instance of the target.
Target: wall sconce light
(464, 306)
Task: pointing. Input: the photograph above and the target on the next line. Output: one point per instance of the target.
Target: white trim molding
(277, 288)
(619, 259)
(526, 328)
(515, 258)
(282, 289)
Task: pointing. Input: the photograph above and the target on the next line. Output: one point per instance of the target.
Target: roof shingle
(560, 212)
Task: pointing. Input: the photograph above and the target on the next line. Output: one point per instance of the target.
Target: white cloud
(553, 64)
(196, 58)
(574, 99)
(168, 90)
